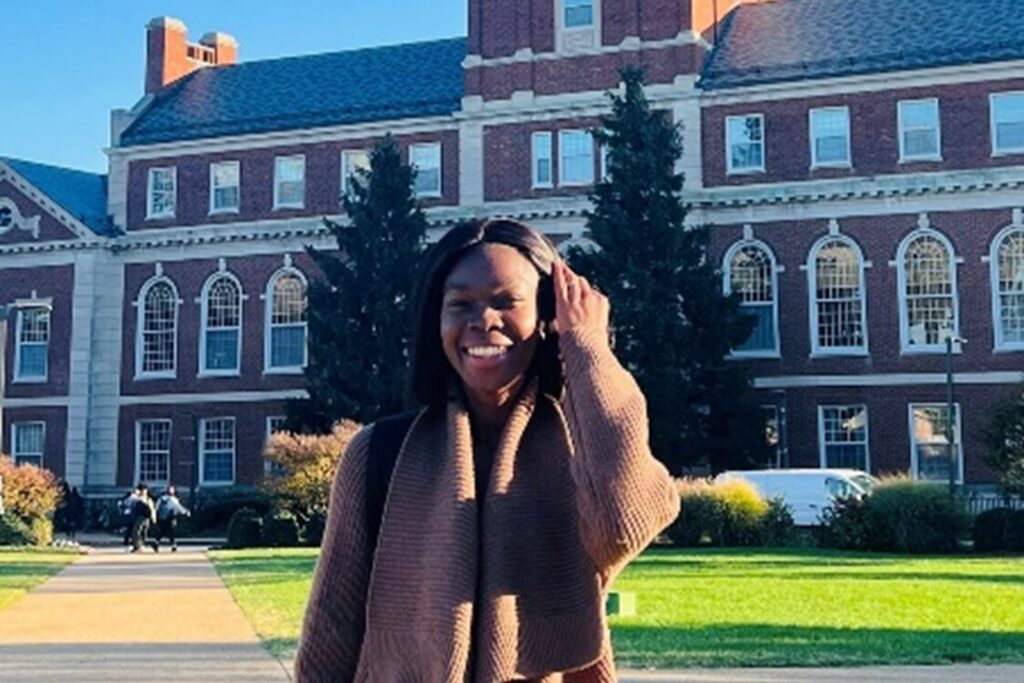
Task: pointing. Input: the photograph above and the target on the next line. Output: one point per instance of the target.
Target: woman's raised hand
(578, 306)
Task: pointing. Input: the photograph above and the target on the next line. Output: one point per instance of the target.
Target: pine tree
(673, 325)
(360, 312)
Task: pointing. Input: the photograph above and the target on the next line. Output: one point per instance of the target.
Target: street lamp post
(950, 432)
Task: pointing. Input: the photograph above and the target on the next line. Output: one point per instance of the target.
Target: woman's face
(489, 321)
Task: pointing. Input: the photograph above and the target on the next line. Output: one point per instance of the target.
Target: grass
(22, 569)
(746, 607)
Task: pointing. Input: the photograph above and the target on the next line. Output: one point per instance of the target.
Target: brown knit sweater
(572, 496)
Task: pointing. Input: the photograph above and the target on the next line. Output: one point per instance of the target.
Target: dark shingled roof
(396, 82)
(81, 194)
(788, 40)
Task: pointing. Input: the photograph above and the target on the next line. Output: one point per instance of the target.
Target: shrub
(313, 530)
(307, 463)
(777, 528)
(1015, 531)
(727, 514)
(1004, 441)
(845, 525)
(215, 507)
(702, 519)
(744, 511)
(280, 530)
(13, 531)
(245, 529)
(29, 492)
(990, 530)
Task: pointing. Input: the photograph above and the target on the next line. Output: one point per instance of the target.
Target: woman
(516, 497)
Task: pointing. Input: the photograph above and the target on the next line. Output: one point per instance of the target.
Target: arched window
(158, 329)
(1008, 285)
(286, 321)
(221, 341)
(838, 323)
(927, 280)
(751, 274)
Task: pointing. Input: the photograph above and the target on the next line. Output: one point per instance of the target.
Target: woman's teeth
(486, 351)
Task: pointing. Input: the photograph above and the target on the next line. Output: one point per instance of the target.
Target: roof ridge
(348, 51)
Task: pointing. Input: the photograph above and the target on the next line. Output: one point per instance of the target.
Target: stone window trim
(226, 208)
(213, 443)
(147, 446)
(280, 166)
(727, 262)
(731, 168)
(1008, 242)
(906, 347)
(32, 334)
(814, 114)
(915, 445)
(817, 348)
(19, 454)
(827, 440)
(904, 127)
(140, 329)
(269, 325)
(577, 39)
(1005, 98)
(161, 202)
(204, 300)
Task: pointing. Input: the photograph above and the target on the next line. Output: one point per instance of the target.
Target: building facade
(861, 171)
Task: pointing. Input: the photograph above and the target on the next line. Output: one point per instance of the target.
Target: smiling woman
(522, 488)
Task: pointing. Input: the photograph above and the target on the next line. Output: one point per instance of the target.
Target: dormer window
(578, 24)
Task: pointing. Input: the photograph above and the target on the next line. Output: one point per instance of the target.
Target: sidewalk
(114, 617)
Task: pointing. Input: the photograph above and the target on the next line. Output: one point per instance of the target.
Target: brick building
(860, 163)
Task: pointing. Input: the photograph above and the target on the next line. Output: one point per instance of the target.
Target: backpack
(385, 442)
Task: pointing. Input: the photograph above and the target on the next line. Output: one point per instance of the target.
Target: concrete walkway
(163, 618)
(113, 617)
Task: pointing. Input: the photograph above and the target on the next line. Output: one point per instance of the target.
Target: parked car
(807, 492)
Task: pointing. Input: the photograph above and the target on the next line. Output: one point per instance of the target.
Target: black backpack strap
(385, 442)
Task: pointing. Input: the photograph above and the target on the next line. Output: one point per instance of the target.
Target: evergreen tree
(1004, 440)
(673, 325)
(361, 310)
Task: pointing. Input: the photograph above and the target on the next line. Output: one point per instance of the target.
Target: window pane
(225, 186)
(426, 159)
(290, 179)
(1011, 287)
(222, 350)
(32, 360)
(845, 436)
(920, 143)
(154, 450)
(288, 346)
(218, 450)
(931, 443)
(830, 130)
(223, 304)
(158, 328)
(577, 157)
(762, 338)
(746, 147)
(161, 189)
(28, 438)
(929, 291)
(352, 162)
(1009, 120)
(579, 13)
(542, 159)
(838, 296)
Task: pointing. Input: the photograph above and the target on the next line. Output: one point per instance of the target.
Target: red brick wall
(970, 232)
(189, 277)
(874, 134)
(250, 433)
(56, 282)
(508, 172)
(323, 181)
(54, 435)
(50, 229)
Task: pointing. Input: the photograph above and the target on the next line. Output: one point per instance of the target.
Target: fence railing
(978, 503)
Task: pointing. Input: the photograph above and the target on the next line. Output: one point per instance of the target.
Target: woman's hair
(430, 371)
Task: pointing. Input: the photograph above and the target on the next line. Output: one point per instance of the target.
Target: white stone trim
(36, 402)
(564, 35)
(43, 200)
(896, 379)
(216, 397)
(628, 44)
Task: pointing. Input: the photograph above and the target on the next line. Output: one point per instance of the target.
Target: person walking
(168, 509)
(127, 509)
(143, 517)
(75, 516)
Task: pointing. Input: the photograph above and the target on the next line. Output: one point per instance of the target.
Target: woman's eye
(456, 305)
(506, 302)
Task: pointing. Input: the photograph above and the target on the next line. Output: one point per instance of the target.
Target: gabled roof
(787, 40)
(80, 193)
(395, 82)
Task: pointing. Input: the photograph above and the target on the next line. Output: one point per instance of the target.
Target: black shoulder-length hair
(430, 371)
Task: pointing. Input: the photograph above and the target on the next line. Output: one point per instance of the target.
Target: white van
(807, 491)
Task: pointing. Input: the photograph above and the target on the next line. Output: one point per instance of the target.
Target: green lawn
(22, 569)
(746, 607)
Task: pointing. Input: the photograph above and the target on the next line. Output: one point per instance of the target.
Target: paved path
(113, 617)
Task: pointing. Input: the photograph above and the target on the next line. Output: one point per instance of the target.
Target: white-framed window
(225, 187)
(575, 157)
(1007, 111)
(542, 160)
(221, 335)
(217, 451)
(1007, 263)
(32, 347)
(161, 192)
(578, 24)
(927, 290)
(290, 182)
(426, 159)
(744, 143)
(830, 136)
(750, 272)
(929, 441)
(28, 441)
(843, 436)
(153, 451)
(920, 132)
(275, 424)
(838, 316)
(286, 322)
(353, 161)
(157, 338)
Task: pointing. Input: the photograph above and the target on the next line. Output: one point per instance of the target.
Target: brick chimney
(169, 55)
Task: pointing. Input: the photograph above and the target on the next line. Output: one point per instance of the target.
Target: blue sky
(69, 62)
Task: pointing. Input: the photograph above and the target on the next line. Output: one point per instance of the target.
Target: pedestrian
(61, 513)
(521, 487)
(168, 509)
(127, 510)
(143, 517)
(75, 515)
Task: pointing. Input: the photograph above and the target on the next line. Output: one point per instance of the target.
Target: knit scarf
(539, 607)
